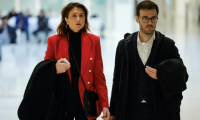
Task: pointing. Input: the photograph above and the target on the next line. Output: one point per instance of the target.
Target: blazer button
(89, 70)
(90, 58)
(88, 82)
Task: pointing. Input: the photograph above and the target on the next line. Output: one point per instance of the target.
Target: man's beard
(147, 32)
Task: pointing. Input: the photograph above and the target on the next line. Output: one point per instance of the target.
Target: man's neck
(145, 37)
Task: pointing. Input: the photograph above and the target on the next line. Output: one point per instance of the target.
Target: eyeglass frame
(148, 19)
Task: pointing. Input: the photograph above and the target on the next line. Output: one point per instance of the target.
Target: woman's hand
(106, 114)
(62, 67)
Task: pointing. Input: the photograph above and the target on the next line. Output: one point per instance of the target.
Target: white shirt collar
(149, 42)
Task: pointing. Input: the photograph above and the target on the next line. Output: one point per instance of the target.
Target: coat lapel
(156, 43)
(133, 51)
(64, 46)
(85, 51)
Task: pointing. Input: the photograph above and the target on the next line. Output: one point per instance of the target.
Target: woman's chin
(76, 30)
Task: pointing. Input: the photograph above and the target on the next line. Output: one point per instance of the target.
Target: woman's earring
(66, 27)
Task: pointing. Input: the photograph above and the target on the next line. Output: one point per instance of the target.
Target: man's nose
(150, 21)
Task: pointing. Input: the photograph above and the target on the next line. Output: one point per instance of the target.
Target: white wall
(124, 15)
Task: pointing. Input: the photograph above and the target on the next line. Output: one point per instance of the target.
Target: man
(22, 24)
(7, 34)
(12, 13)
(42, 25)
(149, 75)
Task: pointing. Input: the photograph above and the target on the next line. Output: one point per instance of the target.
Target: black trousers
(141, 111)
(78, 114)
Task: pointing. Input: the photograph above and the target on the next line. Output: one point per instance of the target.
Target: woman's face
(76, 19)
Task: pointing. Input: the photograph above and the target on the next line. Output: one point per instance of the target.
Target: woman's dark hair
(62, 30)
(146, 5)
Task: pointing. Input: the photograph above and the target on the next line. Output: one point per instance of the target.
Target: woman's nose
(78, 18)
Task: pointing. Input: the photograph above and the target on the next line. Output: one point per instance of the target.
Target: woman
(87, 52)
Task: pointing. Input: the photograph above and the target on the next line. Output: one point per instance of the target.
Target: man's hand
(151, 72)
(106, 114)
(112, 117)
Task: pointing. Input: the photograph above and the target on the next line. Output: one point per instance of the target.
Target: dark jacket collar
(131, 45)
(128, 37)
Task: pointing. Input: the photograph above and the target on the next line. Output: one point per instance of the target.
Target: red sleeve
(99, 78)
(49, 54)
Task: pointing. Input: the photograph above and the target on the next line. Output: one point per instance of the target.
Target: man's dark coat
(171, 73)
(44, 95)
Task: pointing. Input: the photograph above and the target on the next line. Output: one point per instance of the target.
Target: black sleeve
(174, 51)
(175, 54)
(116, 79)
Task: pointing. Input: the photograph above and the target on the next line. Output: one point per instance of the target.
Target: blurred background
(32, 21)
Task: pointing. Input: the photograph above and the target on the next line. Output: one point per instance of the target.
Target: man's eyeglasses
(146, 19)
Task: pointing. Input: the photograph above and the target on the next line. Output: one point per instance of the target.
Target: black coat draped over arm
(44, 95)
(172, 76)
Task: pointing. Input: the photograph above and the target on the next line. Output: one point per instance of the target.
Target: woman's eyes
(75, 16)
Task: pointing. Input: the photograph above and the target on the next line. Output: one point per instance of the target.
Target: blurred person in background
(7, 34)
(87, 52)
(42, 26)
(27, 14)
(12, 13)
(149, 74)
(22, 24)
(0, 18)
(0, 14)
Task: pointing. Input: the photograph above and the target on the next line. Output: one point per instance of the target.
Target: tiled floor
(20, 59)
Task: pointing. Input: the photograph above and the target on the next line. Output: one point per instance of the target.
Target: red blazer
(91, 64)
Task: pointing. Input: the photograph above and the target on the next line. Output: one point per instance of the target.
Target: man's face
(5, 21)
(147, 27)
(41, 14)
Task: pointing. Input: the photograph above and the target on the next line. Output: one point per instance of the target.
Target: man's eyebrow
(148, 17)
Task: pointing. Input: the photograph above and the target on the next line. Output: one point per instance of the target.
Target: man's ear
(137, 19)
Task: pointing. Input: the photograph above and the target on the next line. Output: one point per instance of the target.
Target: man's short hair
(146, 5)
(5, 17)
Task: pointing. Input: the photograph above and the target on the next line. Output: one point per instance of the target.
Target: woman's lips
(78, 24)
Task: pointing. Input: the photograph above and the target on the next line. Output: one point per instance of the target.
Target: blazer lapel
(85, 51)
(134, 58)
(156, 43)
(64, 46)
(131, 48)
